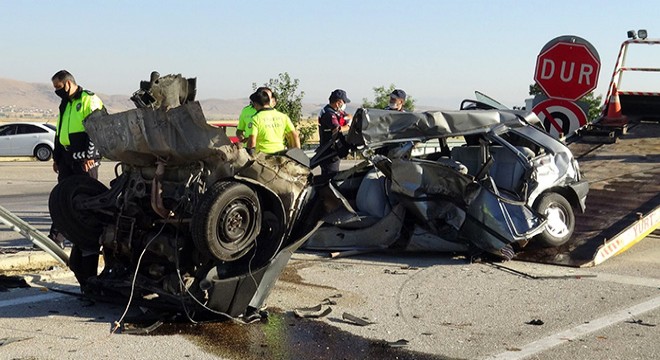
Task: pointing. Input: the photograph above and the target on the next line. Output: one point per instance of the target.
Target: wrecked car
(479, 180)
(192, 226)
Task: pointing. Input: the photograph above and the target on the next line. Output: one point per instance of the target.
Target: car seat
(508, 172)
(371, 201)
(371, 198)
(469, 156)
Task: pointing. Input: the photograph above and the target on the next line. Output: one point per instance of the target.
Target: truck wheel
(43, 152)
(227, 221)
(560, 219)
(80, 227)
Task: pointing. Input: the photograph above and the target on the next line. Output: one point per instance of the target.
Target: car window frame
(31, 129)
(10, 126)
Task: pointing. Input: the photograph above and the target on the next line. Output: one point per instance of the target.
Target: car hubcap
(556, 224)
(42, 153)
(235, 225)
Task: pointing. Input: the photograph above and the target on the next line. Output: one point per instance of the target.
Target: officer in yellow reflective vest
(271, 129)
(244, 128)
(75, 154)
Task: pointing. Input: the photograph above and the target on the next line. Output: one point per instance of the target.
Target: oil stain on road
(283, 336)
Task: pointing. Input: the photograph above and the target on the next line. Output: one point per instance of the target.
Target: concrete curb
(27, 259)
(17, 159)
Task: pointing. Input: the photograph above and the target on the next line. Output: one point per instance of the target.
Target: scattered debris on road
(354, 320)
(639, 322)
(313, 312)
(537, 322)
(11, 282)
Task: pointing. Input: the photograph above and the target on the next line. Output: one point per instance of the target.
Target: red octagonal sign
(567, 70)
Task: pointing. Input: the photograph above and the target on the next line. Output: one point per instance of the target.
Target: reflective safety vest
(270, 127)
(77, 109)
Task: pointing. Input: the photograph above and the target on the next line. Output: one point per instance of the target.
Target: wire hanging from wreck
(118, 323)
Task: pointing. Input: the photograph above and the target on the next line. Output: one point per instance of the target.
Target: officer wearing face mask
(333, 119)
(397, 100)
(75, 154)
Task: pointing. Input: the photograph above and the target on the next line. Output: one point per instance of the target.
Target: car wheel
(227, 221)
(82, 228)
(560, 219)
(43, 152)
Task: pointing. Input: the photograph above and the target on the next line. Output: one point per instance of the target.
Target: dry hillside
(39, 98)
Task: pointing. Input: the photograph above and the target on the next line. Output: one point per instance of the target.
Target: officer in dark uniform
(397, 100)
(75, 154)
(333, 119)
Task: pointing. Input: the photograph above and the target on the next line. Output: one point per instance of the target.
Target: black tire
(43, 152)
(227, 221)
(560, 219)
(82, 228)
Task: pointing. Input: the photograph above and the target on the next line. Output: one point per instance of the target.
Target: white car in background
(27, 139)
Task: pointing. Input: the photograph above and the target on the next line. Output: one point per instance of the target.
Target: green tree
(382, 99)
(290, 102)
(594, 102)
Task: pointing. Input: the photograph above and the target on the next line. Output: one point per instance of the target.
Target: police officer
(397, 100)
(270, 128)
(75, 154)
(333, 119)
(244, 129)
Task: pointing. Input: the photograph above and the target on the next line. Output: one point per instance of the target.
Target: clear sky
(438, 51)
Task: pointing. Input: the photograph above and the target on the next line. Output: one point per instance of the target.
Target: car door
(6, 136)
(26, 138)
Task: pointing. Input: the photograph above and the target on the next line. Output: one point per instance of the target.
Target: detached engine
(191, 225)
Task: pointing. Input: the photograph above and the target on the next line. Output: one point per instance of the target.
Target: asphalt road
(443, 306)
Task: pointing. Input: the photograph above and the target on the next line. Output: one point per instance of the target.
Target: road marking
(30, 299)
(578, 331)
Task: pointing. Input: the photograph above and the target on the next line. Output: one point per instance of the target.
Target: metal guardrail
(31, 233)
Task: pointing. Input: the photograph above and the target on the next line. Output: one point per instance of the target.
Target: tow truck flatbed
(623, 204)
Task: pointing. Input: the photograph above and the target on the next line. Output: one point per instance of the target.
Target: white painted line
(30, 299)
(578, 331)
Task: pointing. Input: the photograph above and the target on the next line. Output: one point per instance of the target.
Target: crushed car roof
(372, 126)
